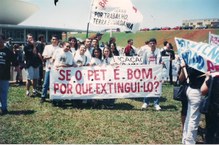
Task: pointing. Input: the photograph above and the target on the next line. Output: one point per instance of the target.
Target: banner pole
(88, 24)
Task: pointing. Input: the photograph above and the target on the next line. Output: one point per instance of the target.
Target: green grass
(30, 122)
(140, 37)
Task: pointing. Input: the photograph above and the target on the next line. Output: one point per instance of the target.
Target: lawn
(30, 122)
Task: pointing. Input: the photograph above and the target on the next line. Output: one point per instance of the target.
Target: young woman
(96, 57)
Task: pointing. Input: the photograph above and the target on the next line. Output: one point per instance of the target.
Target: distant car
(187, 27)
(165, 28)
(144, 29)
(156, 28)
(177, 28)
(201, 27)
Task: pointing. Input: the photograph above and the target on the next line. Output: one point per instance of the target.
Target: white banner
(115, 13)
(103, 82)
(166, 67)
(201, 56)
(213, 39)
(128, 60)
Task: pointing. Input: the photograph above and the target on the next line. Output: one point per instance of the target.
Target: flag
(213, 39)
(115, 14)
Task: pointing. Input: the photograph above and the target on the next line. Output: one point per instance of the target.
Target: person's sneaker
(157, 107)
(27, 93)
(144, 106)
(42, 100)
(4, 112)
(34, 93)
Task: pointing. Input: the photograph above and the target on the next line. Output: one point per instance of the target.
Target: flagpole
(88, 24)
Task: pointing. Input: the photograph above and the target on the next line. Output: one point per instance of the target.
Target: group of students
(72, 53)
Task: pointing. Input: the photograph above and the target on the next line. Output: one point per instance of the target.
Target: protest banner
(115, 14)
(104, 82)
(213, 39)
(166, 67)
(201, 56)
(128, 60)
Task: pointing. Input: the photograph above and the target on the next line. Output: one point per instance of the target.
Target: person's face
(30, 39)
(106, 52)
(87, 42)
(67, 47)
(112, 46)
(152, 45)
(72, 42)
(54, 41)
(94, 43)
(96, 53)
(82, 50)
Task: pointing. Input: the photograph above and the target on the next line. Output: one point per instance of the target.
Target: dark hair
(40, 37)
(146, 42)
(56, 36)
(107, 47)
(165, 43)
(98, 49)
(2, 36)
(153, 40)
(115, 52)
(76, 41)
(130, 40)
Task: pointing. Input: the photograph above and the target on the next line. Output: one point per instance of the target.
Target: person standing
(168, 51)
(7, 59)
(129, 49)
(40, 47)
(63, 57)
(47, 56)
(194, 99)
(212, 117)
(33, 60)
(152, 56)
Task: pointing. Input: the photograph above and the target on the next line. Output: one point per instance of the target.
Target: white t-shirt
(48, 52)
(150, 57)
(95, 61)
(109, 60)
(62, 58)
(80, 59)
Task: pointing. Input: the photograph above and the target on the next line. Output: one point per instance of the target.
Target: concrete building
(196, 23)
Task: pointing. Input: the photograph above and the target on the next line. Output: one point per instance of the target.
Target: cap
(99, 34)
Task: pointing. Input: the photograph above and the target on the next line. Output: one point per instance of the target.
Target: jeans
(4, 86)
(193, 116)
(45, 84)
(148, 99)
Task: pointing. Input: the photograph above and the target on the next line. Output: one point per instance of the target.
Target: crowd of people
(38, 58)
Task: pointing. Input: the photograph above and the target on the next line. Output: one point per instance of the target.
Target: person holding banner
(96, 57)
(63, 57)
(80, 58)
(194, 96)
(47, 56)
(168, 51)
(74, 44)
(212, 117)
(152, 56)
(108, 60)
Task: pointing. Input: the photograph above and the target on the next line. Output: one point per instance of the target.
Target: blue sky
(156, 13)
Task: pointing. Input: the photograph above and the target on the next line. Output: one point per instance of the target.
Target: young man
(63, 57)
(47, 56)
(152, 56)
(33, 60)
(6, 59)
